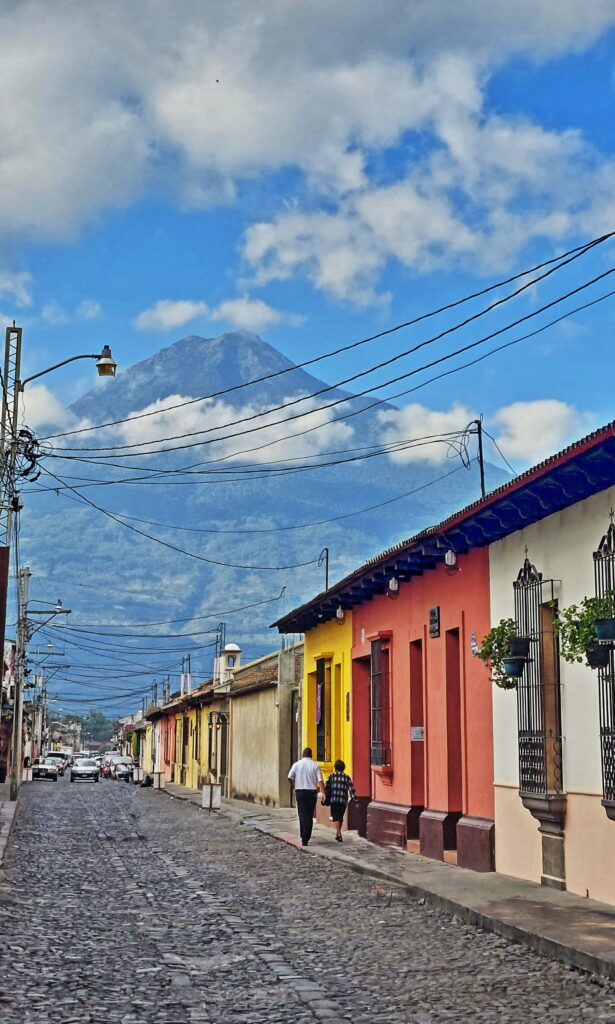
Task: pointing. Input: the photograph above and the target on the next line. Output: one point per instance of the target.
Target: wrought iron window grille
(538, 702)
(604, 577)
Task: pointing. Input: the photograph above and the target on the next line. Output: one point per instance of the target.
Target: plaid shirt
(339, 788)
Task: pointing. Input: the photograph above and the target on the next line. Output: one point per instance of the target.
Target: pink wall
(456, 755)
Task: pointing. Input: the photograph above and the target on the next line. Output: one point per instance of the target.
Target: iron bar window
(538, 690)
(323, 709)
(380, 704)
(604, 575)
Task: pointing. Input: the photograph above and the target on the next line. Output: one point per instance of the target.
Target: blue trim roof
(585, 468)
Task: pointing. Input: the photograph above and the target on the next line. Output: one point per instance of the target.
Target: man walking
(306, 777)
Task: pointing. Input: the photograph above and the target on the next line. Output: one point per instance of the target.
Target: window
(196, 737)
(604, 572)
(538, 691)
(323, 709)
(380, 704)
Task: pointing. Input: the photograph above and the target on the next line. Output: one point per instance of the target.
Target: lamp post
(12, 387)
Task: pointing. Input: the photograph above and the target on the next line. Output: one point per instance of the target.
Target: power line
(411, 373)
(193, 618)
(182, 551)
(578, 250)
(346, 380)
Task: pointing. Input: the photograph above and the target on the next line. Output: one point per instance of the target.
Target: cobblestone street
(124, 905)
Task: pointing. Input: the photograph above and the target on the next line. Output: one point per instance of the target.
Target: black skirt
(338, 811)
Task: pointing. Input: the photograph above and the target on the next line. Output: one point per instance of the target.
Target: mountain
(108, 573)
(202, 366)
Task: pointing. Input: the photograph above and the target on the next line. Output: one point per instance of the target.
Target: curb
(7, 817)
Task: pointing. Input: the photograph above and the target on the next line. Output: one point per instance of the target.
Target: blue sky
(315, 177)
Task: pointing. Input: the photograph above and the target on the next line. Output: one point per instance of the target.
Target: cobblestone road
(124, 906)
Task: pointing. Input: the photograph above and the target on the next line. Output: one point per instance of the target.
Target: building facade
(265, 727)
(555, 735)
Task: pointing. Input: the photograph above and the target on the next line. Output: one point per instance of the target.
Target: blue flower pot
(605, 629)
(513, 667)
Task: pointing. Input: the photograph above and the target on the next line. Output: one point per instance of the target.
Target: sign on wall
(434, 621)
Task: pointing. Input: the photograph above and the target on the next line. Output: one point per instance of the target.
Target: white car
(84, 768)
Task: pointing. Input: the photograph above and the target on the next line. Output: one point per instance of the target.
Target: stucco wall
(254, 751)
(463, 599)
(333, 641)
(560, 547)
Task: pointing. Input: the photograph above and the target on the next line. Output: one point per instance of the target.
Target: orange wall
(464, 776)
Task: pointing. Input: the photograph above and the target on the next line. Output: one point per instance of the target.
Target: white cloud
(416, 421)
(103, 103)
(89, 309)
(41, 408)
(529, 432)
(252, 314)
(526, 432)
(167, 314)
(267, 436)
(242, 313)
(54, 314)
(16, 285)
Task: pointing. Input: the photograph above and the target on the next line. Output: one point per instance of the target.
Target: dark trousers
(306, 805)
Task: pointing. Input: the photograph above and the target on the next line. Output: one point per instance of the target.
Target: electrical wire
(497, 447)
(411, 373)
(182, 551)
(210, 615)
(562, 260)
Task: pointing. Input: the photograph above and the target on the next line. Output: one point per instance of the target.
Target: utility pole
(324, 557)
(481, 461)
(8, 456)
(20, 661)
(12, 440)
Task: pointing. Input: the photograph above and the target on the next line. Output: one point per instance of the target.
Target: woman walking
(339, 790)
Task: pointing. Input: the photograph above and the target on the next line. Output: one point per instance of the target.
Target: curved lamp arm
(106, 366)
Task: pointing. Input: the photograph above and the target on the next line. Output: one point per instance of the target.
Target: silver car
(84, 768)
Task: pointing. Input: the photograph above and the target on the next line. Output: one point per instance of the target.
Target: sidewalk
(7, 813)
(576, 931)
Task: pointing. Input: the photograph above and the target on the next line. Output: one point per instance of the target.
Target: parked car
(107, 761)
(84, 768)
(45, 768)
(122, 769)
(59, 758)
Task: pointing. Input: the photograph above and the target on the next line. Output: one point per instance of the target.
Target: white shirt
(305, 774)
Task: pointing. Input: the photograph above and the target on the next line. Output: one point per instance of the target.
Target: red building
(417, 686)
(421, 711)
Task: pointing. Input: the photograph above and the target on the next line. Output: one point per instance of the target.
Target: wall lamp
(393, 587)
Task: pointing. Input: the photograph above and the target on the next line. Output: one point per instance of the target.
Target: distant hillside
(108, 574)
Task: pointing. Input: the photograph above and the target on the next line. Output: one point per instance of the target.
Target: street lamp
(105, 364)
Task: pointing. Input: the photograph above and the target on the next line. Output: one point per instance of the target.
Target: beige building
(265, 727)
(565, 835)
(554, 736)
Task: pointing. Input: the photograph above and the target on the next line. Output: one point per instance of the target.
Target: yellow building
(326, 700)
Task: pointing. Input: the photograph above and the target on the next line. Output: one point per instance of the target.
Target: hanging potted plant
(505, 653)
(605, 616)
(581, 627)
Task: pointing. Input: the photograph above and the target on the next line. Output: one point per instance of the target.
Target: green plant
(576, 625)
(494, 649)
